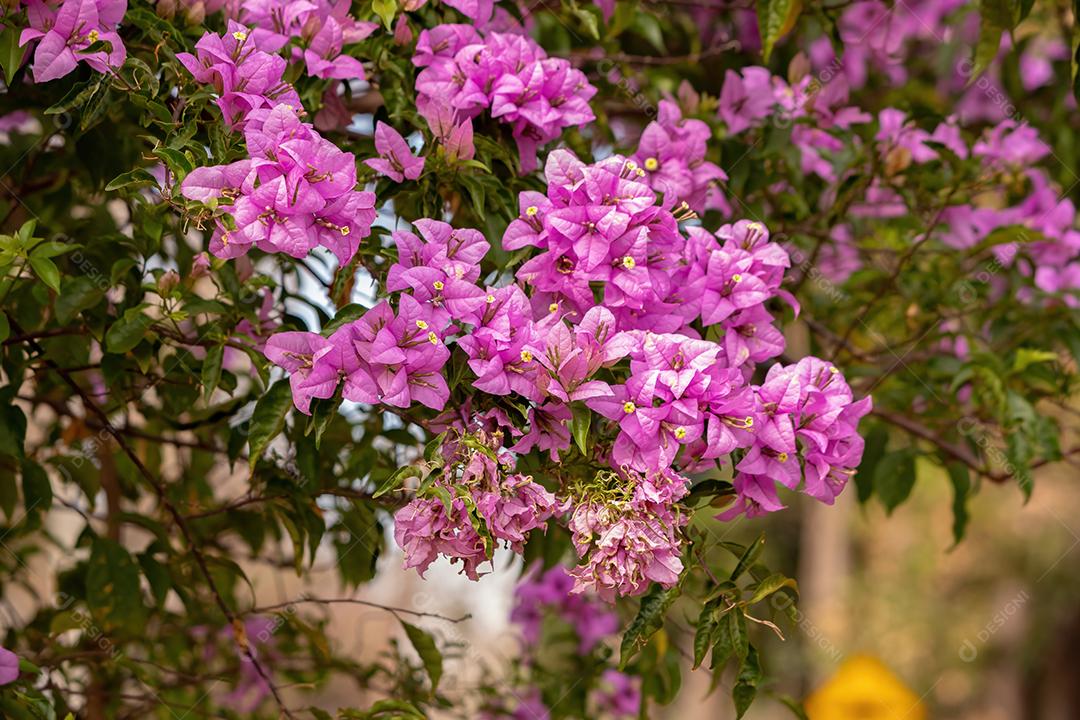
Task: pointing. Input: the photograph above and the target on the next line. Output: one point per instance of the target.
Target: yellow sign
(864, 689)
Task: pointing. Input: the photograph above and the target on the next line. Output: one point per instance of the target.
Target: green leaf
(397, 479)
(12, 431)
(770, 585)
(775, 17)
(157, 575)
(347, 314)
(592, 27)
(732, 639)
(79, 294)
(1026, 357)
(385, 710)
(9, 491)
(133, 177)
(794, 706)
(210, 375)
(268, 418)
(986, 49)
(53, 248)
(386, 10)
(961, 482)
(177, 161)
(77, 96)
(706, 627)
(746, 684)
(580, 420)
(749, 557)
(46, 270)
(876, 438)
(11, 54)
(429, 654)
(128, 331)
(894, 478)
(1019, 453)
(37, 490)
(112, 585)
(649, 619)
(5, 327)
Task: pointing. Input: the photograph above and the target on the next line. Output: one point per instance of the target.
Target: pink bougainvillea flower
(396, 161)
(9, 666)
(64, 34)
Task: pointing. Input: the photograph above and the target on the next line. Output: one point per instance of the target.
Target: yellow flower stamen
(490, 299)
(680, 433)
(531, 211)
(240, 35)
(651, 164)
(749, 421)
(92, 36)
(421, 324)
(433, 338)
(629, 263)
(629, 407)
(526, 356)
(438, 285)
(553, 307)
(782, 457)
(736, 278)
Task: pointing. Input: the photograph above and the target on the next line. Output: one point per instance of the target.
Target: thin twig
(354, 601)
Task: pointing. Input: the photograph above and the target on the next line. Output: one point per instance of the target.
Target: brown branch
(956, 452)
(959, 452)
(29, 337)
(354, 601)
(657, 60)
(255, 499)
(890, 282)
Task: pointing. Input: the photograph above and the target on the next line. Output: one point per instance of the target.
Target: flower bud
(402, 32)
(898, 160)
(200, 267)
(168, 282)
(798, 68)
(196, 13)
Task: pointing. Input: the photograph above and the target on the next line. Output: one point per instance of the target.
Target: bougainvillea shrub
(564, 287)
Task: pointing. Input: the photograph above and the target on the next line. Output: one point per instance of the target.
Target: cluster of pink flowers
(600, 223)
(508, 75)
(320, 27)
(64, 33)
(677, 389)
(684, 401)
(1009, 149)
(804, 415)
(1006, 150)
(382, 357)
(672, 154)
(541, 595)
(626, 527)
(551, 592)
(296, 191)
(244, 76)
(478, 502)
